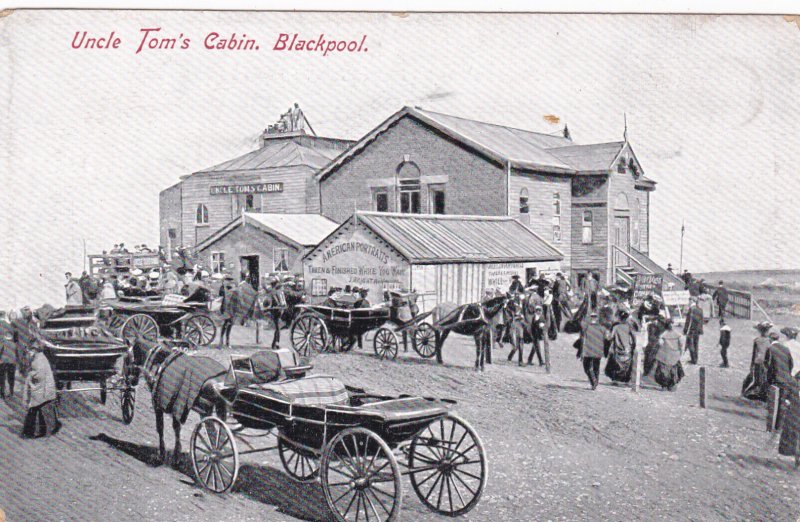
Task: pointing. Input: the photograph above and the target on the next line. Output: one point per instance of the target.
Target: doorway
(249, 267)
(622, 240)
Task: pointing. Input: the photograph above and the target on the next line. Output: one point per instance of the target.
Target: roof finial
(566, 132)
(625, 132)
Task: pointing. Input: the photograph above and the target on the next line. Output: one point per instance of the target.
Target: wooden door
(622, 240)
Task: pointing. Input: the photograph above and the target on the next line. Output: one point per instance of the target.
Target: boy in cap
(724, 342)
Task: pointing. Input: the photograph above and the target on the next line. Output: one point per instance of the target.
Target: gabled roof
(281, 153)
(305, 230)
(589, 158)
(426, 238)
(523, 149)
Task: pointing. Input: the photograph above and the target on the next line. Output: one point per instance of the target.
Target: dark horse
(178, 383)
(471, 319)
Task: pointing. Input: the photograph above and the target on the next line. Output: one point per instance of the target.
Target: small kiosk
(443, 258)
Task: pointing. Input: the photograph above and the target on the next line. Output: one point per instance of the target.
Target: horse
(178, 382)
(469, 319)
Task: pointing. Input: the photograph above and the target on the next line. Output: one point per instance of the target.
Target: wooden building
(256, 244)
(278, 177)
(591, 202)
(443, 258)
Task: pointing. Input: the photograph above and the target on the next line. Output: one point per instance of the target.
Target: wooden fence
(740, 304)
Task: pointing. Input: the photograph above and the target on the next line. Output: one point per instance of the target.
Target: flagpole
(680, 265)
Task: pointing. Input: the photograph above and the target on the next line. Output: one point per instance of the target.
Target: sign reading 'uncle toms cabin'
(250, 188)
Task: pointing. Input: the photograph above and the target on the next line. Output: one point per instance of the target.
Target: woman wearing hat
(620, 354)
(755, 384)
(668, 368)
(790, 433)
(40, 397)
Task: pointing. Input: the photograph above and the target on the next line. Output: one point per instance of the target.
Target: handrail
(629, 256)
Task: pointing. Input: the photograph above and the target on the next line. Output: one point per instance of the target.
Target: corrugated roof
(522, 148)
(280, 153)
(306, 230)
(422, 238)
(303, 229)
(589, 158)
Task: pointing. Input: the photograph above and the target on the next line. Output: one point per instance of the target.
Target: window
(556, 204)
(249, 202)
(556, 229)
(319, 287)
(173, 233)
(523, 201)
(586, 223)
(437, 200)
(217, 262)
(280, 260)
(637, 208)
(381, 200)
(409, 196)
(202, 214)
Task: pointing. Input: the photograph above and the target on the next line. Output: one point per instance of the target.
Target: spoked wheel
(385, 343)
(128, 404)
(360, 477)
(425, 340)
(215, 457)
(448, 468)
(140, 325)
(103, 391)
(115, 322)
(340, 343)
(199, 330)
(309, 335)
(302, 466)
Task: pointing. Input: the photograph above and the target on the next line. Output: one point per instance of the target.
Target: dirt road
(557, 450)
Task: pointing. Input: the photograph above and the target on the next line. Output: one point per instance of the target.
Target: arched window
(586, 227)
(408, 176)
(637, 217)
(523, 201)
(621, 202)
(202, 214)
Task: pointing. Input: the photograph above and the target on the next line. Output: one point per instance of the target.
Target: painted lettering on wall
(356, 247)
(250, 188)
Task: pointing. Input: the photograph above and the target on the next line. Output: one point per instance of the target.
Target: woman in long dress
(755, 384)
(668, 368)
(40, 398)
(620, 356)
(790, 431)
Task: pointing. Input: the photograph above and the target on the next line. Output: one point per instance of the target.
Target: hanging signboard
(645, 284)
(675, 297)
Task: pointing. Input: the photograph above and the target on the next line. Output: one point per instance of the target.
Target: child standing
(724, 342)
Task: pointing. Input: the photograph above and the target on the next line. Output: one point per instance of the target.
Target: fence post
(258, 332)
(637, 370)
(546, 355)
(702, 386)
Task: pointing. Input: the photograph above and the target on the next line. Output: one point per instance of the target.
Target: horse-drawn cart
(318, 328)
(168, 316)
(79, 350)
(356, 444)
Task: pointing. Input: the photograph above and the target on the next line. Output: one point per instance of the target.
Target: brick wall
(541, 188)
(473, 185)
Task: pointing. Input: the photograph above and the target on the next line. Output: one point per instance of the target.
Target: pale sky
(89, 137)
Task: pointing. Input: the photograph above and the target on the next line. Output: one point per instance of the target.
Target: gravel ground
(557, 450)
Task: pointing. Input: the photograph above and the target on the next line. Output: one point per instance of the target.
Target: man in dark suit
(720, 297)
(693, 329)
(516, 285)
(593, 341)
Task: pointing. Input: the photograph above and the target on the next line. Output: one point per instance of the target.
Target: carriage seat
(316, 390)
(263, 367)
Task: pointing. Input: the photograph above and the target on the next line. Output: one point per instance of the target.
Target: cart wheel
(309, 335)
(115, 322)
(425, 340)
(199, 330)
(140, 324)
(128, 404)
(385, 343)
(447, 464)
(300, 465)
(360, 477)
(215, 457)
(103, 391)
